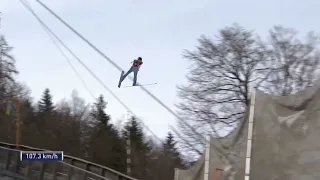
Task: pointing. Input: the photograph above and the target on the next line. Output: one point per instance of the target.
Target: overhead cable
(54, 41)
(44, 25)
(118, 67)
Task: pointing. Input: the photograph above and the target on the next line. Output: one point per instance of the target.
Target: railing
(71, 168)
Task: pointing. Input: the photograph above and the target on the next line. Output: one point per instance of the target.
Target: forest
(223, 71)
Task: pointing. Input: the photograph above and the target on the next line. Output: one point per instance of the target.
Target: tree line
(81, 129)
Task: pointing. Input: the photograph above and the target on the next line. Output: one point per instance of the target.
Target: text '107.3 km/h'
(41, 155)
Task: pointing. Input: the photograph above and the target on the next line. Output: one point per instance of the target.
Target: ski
(141, 85)
(119, 84)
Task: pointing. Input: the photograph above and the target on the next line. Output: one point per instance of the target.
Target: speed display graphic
(41, 155)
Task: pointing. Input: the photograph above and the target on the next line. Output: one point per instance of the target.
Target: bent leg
(124, 76)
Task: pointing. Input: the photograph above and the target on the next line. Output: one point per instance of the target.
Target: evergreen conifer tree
(170, 157)
(107, 147)
(45, 105)
(100, 118)
(170, 149)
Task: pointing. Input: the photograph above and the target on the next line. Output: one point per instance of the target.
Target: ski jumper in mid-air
(136, 64)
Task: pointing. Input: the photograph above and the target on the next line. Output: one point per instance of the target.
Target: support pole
(128, 155)
(250, 135)
(207, 158)
(128, 144)
(18, 122)
(176, 174)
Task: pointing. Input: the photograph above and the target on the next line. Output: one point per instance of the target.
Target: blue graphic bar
(41, 155)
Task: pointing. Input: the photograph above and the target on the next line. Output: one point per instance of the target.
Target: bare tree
(294, 63)
(20, 90)
(221, 74)
(7, 73)
(71, 123)
(79, 108)
(224, 70)
(7, 67)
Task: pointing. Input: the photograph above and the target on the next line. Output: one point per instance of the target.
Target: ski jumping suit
(134, 68)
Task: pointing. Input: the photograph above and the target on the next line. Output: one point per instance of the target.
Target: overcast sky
(157, 31)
